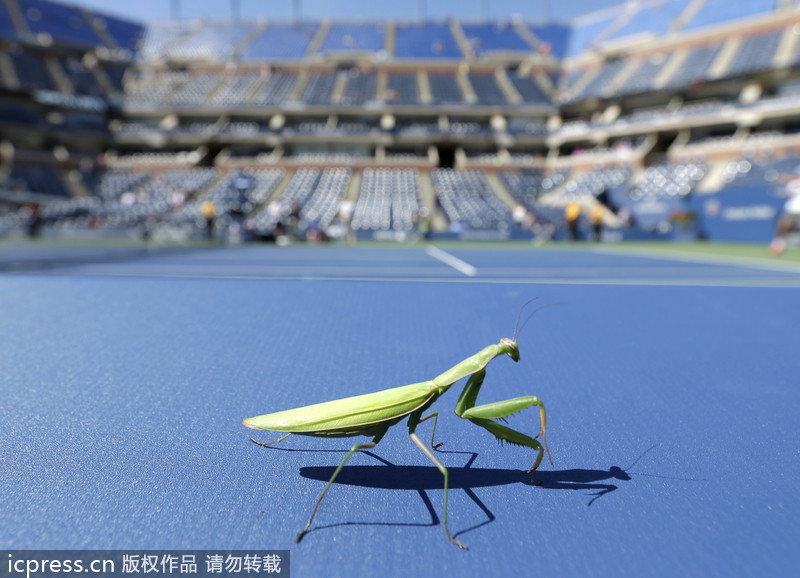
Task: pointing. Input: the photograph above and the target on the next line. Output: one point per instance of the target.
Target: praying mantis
(372, 414)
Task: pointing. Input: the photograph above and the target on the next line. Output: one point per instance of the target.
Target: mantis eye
(512, 349)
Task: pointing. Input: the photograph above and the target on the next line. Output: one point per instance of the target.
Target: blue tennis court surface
(670, 385)
(433, 264)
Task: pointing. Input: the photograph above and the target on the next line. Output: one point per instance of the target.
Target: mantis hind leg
(442, 469)
(353, 450)
(267, 444)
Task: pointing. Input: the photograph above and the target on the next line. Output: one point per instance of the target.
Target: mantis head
(510, 348)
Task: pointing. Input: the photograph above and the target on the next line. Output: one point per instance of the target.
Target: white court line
(644, 282)
(453, 261)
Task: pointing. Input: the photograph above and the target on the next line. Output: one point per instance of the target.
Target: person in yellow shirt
(209, 210)
(572, 213)
(596, 217)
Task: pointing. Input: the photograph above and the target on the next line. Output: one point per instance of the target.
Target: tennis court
(670, 382)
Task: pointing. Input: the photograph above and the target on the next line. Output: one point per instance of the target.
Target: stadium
(207, 220)
(679, 119)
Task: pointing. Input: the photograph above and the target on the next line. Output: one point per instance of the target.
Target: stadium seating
(487, 90)
(529, 90)
(275, 90)
(641, 79)
(755, 53)
(239, 192)
(695, 67)
(388, 200)
(493, 37)
(37, 178)
(343, 37)
(402, 89)
(6, 25)
(118, 121)
(63, 23)
(154, 196)
(445, 89)
(318, 89)
(361, 88)
(427, 41)
(81, 78)
(468, 200)
(280, 42)
(527, 185)
(314, 193)
(31, 70)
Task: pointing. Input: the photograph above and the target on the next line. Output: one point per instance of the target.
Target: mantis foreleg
(483, 415)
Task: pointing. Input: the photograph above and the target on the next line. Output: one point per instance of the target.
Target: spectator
(572, 213)
(596, 217)
(209, 210)
(789, 219)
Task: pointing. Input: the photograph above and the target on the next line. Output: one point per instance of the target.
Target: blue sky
(158, 10)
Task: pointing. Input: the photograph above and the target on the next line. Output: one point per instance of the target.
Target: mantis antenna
(524, 323)
(524, 305)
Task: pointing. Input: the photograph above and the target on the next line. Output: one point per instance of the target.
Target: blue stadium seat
(343, 37)
(388, 200)
(598, 86)
(755, 54)
(318, 89)
(281, 42)
(494, 37)
(276, 90)
(7, 29)
(317, 193)
(487, 90)
(360, 88)
(235, 90)
(555, 36)
(445, 89)
(468, 201)
(127, 35)
(81, 77)
(40, 179)
(642, 78)
(529, 90)
(695, 68)
(63, 23)
(415, 41)
(240, 191)
(31, 69)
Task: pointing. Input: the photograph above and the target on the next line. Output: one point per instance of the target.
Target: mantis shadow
(423, 478)
(389, 476)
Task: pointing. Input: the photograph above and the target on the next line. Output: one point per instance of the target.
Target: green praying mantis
(373, 414)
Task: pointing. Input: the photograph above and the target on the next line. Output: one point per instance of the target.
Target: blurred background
(248, 121)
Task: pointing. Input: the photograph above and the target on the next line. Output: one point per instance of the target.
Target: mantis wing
(349, 412)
